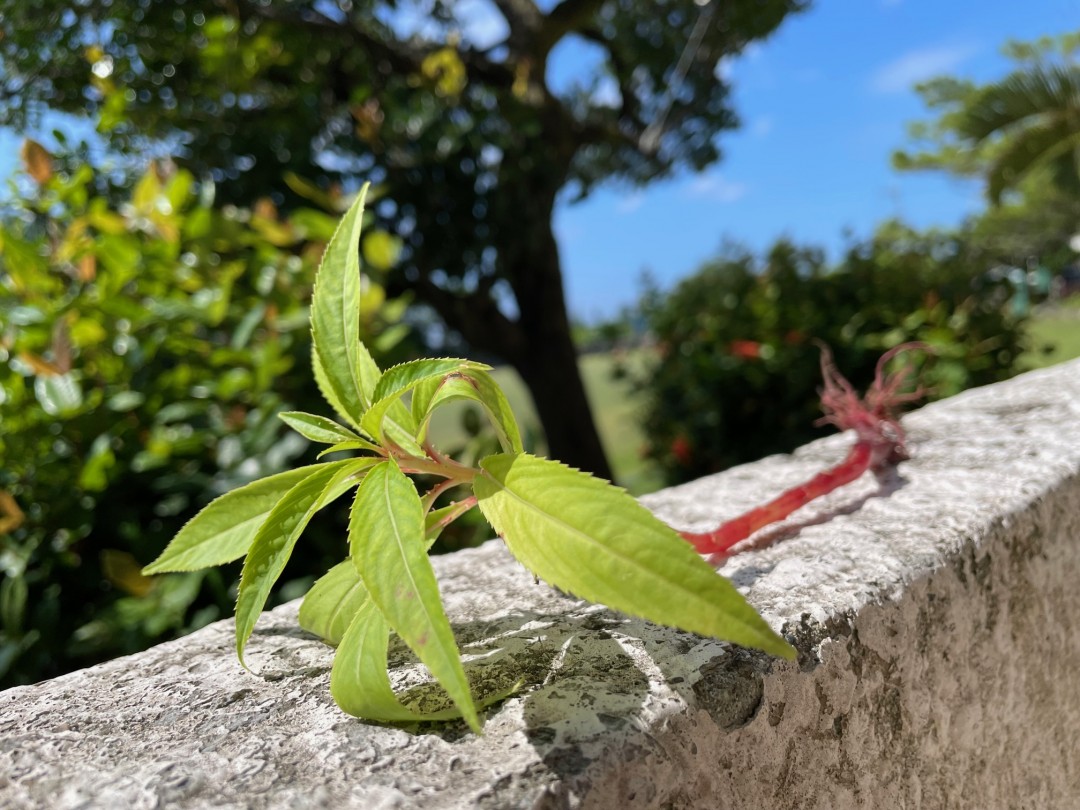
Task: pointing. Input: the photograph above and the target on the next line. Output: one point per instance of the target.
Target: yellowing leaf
(37, 161)
(40, 366)
(122, 570)
(445, 68)
(86, 268)
(11, 516)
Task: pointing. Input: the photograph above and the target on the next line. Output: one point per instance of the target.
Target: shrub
(146, 346)
(737, 370)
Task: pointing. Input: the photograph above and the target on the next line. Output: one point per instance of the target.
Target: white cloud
(761, 126)
(715, 188)
(916, 66)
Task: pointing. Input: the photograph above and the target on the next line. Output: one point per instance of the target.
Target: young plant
(577, 532)
(879, 444)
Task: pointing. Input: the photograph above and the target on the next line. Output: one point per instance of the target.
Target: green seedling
(570, 529)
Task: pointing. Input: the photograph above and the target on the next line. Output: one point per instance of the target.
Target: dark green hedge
(737, 372)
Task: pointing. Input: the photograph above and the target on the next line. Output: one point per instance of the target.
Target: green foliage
(1020, 136)
(1002, 131)
(470, 141)
(738, 367)
(578, 532)
(147, 344)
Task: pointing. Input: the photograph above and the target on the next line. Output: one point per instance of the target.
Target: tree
(469, 139)
(1005, 130)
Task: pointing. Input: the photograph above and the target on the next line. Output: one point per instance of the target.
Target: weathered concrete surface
(937, 621)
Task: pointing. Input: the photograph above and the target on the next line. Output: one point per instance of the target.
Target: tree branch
(566, 17)
(523, 16)
(629, 109)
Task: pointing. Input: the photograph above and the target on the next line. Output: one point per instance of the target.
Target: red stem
(728, 534)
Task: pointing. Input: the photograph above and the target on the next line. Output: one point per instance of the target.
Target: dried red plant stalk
(879, 444)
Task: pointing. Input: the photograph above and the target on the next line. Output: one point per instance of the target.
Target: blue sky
(823, 103)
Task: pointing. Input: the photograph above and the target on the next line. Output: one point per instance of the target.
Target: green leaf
(224, 529)
(478, 386)
(333, 600)
(388, 417)
(360, 683)
(277, 536)
(588, 537)
(349, 371)
(355, 444)
(399, 426)
(386, 542)
(323, 383)
(58, 394)
(402, 377)
(438, 519)
(317, 428)
(94, 476)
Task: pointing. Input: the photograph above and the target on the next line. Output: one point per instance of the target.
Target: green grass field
(1055, 338)
(1055, 335)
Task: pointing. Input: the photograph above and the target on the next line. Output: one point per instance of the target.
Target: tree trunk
(547, 360)
(537, 344)
(552, 376)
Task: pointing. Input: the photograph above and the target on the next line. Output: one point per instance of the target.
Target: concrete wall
(936, 620)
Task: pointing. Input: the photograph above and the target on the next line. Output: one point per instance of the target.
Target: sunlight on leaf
(329, 607)
(386, 541)
(317, 428)
(588, 537)
(348, 371)
(276, 538)
(223, 531)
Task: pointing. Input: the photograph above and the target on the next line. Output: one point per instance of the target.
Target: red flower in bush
(746, 349)
(680, 448)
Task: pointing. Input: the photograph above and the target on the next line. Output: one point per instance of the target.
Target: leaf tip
(786, 651)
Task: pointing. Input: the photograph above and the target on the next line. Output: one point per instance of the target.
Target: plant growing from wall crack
(575, 531)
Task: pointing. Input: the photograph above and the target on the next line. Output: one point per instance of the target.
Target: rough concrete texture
(936, 620)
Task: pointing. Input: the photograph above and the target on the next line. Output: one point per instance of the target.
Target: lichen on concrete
(935, 620)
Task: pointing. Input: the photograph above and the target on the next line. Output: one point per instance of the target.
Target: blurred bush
(147, 341)
(737, 371)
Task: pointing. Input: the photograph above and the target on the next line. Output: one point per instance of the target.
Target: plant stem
(733, 531)
(460, 508)
(447, 468)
